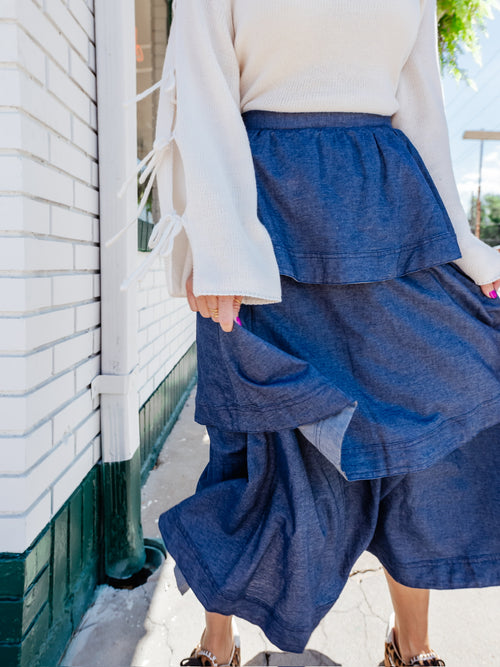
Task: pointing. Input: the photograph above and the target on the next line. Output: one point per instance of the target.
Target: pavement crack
(368, 604)
(347, 610)
(323, 631)
(159, 624)
(368, 570)
(365, 630)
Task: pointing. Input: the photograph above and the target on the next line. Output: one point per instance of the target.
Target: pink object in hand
(493, 294)
(238, 321)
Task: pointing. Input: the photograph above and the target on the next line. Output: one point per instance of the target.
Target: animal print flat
(392, 657)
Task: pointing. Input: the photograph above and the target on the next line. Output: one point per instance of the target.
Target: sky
(467, 109)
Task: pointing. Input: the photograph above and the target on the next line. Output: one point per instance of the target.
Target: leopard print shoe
(392, 657)
(202, 657)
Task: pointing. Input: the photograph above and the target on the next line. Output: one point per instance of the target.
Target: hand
(223, 309)
(491, 287)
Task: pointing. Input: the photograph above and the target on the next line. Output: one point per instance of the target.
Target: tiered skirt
(362, 412)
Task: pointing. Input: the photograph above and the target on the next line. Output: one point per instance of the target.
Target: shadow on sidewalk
(307, 659)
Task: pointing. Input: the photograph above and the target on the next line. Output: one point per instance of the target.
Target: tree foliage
(460, 23)
(490, 232)
(490, 218)
(493, 209)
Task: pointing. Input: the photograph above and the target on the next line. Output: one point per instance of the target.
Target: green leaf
(460, 23)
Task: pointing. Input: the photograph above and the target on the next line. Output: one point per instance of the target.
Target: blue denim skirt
(362, 412)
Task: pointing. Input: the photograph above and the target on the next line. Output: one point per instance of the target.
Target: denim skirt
(362, 412)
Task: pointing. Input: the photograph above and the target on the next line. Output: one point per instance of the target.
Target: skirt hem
(199, 579)
(449, 573)
(446, 574)
(369, 266)
(452, 434)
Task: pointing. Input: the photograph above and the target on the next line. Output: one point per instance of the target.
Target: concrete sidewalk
(155, 626)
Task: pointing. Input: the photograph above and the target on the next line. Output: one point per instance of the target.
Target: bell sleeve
(421, 117)
(205, 174)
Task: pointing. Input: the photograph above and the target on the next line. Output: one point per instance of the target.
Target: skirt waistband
(278, 120)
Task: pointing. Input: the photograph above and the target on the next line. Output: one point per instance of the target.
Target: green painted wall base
(124, 553)
(159, 413)
(45, 591)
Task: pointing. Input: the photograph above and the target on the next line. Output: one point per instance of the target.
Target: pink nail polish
(493, 295)
(238, 321)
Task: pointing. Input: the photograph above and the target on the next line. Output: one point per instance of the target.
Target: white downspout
(117, 128)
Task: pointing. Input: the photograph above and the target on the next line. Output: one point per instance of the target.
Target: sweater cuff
(479, 261)
(178, 265)
(249, 270)
(255, 275)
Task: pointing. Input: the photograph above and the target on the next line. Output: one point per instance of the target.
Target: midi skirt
(362, 412)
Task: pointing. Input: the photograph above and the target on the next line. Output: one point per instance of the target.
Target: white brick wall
(166, 331)
(49, 265)
(49, 261)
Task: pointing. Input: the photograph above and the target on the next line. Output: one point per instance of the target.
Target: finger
(489, 290)
(226, 312)
(213, 306)
(189, 292)
(237, 301)
(202, 305)
(192, 302)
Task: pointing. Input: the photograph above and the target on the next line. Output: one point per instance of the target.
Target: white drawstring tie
(169, 225)
(161, 241)
(150, 164)
(166, 84)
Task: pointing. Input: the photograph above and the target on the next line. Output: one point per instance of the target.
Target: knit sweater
(225, 57)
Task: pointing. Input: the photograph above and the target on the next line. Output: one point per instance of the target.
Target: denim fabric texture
(360, 413)
(338, 195)
(273, 529)
(417, 357)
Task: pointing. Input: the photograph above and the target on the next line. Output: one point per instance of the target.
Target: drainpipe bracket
(113, 384)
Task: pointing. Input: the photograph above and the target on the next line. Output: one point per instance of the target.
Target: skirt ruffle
(346, 198)
(409, 366)
(273, 529)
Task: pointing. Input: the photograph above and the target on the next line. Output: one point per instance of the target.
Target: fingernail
(238, 321)
(493, 295)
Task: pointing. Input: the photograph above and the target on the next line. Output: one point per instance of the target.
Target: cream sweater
(229, 56)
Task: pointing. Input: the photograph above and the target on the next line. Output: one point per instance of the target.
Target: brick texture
(49, 261)
(166, 331)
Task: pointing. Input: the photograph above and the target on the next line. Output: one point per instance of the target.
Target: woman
(306, 186)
